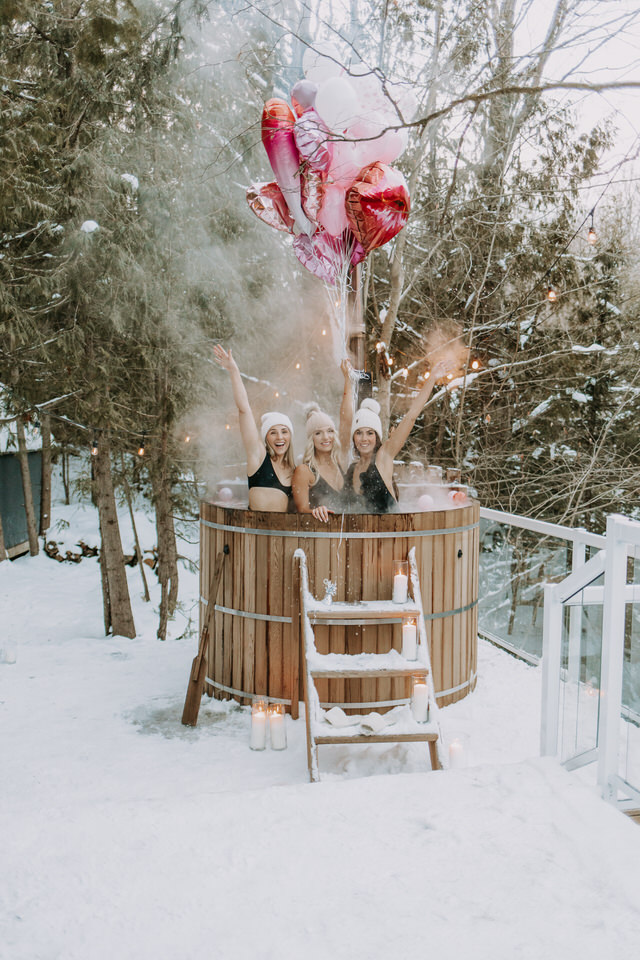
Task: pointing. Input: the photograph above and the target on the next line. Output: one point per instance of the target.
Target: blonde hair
(288, 458)
(309, 456)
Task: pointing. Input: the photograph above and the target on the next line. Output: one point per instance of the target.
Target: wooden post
(29, 509)
(199, 665)
(45, 488)
(3, 551)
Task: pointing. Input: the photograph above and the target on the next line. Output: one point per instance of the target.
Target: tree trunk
(127, 493)
(3, 551)
(29, 509)
(65, 475)
(167, 551)
(45, 489)
(111, 555)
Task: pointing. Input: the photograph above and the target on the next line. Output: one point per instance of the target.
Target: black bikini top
(265, 476)
(374, 495)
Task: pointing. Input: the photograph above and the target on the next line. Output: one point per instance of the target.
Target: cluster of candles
(419, 688)
(271, 716)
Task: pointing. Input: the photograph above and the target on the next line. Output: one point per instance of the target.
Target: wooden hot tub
(254, 649)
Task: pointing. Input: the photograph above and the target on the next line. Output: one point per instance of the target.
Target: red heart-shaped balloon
(377, 205)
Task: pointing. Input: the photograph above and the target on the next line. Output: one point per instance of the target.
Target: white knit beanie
(318, 420)
(274, 419)
(367, 416)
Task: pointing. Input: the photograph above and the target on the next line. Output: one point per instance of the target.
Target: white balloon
(322, 61)
(337, 104)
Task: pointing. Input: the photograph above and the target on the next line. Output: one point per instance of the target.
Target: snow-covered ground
(126, 835)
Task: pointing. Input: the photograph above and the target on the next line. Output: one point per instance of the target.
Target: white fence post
(613, 618)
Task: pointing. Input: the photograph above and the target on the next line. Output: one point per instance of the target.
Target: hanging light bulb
(475, 364)
(277, 394)
(227, 426)
(297, 366)
(94, 447)
(187, 439)
(449, 376)
(324, 333)
(141, 447)
(552, 296)
(592, 236)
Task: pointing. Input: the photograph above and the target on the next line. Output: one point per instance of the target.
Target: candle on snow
(277, 729)
(258, 739)
(420, 700)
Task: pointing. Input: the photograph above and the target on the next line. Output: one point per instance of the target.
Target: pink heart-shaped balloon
(377, 205)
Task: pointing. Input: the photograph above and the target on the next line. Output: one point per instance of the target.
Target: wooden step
(364, 611)
(392, 664)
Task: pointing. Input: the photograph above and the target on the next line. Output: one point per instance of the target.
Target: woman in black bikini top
(369, 481)
(270, 463)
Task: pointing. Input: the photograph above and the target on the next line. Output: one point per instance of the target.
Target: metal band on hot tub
(266, 616)
(339, 534)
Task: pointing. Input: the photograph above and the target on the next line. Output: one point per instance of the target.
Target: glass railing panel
(629, 752)
(580, 678)
(514, 566)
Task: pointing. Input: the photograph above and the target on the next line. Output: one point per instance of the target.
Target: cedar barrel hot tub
(254, 648)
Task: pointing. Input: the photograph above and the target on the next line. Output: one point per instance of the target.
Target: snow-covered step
(391, 664)
(363, 610)
(398, 724)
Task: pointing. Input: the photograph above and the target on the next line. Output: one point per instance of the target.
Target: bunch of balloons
(330, 152)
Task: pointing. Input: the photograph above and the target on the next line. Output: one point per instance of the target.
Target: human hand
(223, 358)
(347, 369)
(321, 513)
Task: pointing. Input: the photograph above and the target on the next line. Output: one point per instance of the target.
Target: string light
(141, 447)
(277, 394)
(475, 364)
(94, 447)
(187, 439)
(324, 333)
(404, 373)
(390, 361)
(297, 366)
(449, 376)
(592, 236)
(227, 426)
(552, 296)
(380, 346)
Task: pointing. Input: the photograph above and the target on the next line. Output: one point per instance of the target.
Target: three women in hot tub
(323, 483)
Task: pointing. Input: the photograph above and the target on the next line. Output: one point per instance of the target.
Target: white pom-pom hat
(274, 419)
(367, 416)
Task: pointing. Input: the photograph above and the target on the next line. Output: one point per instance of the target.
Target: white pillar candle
(400, 581)
(277, 729)
(456, 754)
(409, 640)
(420, 700)
(258, 726)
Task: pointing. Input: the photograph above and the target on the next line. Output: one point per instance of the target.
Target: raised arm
(397, 439)
(346, 411)
(253, 445)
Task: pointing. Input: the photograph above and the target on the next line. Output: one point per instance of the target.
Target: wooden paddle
(199, 665)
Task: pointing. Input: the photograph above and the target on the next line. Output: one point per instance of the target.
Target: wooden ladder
(316, 666)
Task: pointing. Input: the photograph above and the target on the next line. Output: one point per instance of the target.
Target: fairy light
(297, 366)
(381, 346)
(324, 333)
(277, 394)
(475, 364)
(390, 361)
(552, 296)
(404, 373)
(449, 376)
(592, 236)
(227, 426)
(94, 447)
(187, 439)
(141, 447)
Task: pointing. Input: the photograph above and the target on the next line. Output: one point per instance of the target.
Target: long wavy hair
(309, 456)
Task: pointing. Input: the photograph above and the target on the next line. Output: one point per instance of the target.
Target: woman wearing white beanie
(369, 481)
(319, 480)
(270, 462)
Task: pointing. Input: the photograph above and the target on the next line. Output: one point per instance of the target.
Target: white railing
(614, 737)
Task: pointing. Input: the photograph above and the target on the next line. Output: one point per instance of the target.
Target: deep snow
(125, 834)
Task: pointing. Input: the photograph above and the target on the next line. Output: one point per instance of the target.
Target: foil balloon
(313, 141)
(268, 204)
(333, 215)
(321, 254)
(377, 205)
(313, 190)
(277, 136)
